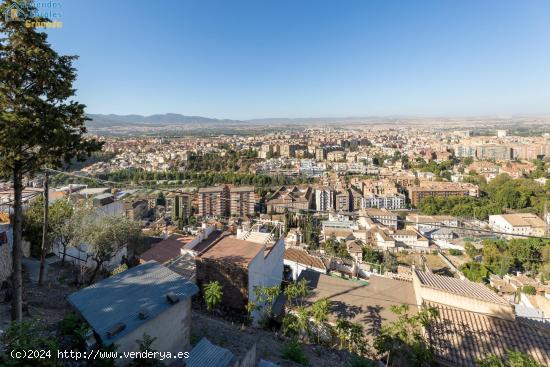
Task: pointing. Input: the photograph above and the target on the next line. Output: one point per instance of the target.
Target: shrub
(294, 351)
(119, 269)
(529, 289)
(74, 329)
(455, 252)
(290, 325)
(213, 294)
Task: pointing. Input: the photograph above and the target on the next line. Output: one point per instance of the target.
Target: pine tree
(40, 124)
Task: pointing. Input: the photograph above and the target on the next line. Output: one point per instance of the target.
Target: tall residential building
(181, 206)
(342, 200)
(322, 199)
(242, 201)
(494, 152)
(214, 201)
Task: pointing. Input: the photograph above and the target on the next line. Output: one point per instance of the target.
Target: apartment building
(342, 200)
(336, 156)
(323, 200)
(496, 152)
(181, 206)
(242, 201)
(442, 189)
(213, 201)
(291, 198)
(381, 216)
(390, 202)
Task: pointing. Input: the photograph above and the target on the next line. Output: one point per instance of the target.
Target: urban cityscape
(133, 236)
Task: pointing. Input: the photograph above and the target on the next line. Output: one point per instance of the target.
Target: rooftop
(166, 249)
(120, 298)
(461, 287)
(366, 303)
(208, 354)
(302, 257)
(231, 249)
(523, 220)
(460, 337)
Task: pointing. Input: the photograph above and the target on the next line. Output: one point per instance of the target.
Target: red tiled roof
(302, 257)
(461, 338)
(165, 250)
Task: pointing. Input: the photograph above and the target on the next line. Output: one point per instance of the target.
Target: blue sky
(301, 58)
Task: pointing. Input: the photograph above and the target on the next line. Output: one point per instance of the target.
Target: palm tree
(298, 290)
(356, 338)
(320, 311)
(343, 331)
(212, 294)
(303, 315)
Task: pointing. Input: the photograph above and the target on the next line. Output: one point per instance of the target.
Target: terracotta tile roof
(304, 258)
(233, 250)
(460, 338)
(166, 250)
(461, 287)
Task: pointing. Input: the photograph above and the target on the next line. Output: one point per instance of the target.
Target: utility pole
(44, 230)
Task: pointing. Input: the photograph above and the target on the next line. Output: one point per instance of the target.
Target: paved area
(368, 304)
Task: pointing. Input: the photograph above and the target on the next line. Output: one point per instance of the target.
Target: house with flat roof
(241, 262)
(146, 299)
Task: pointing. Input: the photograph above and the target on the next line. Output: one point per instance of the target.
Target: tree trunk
(94, 274)
(44, 231)
(17, 301)
(64, 254)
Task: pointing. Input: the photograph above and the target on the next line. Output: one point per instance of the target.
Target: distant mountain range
(102, 122)
(99, 120)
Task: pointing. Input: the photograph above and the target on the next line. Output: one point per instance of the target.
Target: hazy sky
(298, 58)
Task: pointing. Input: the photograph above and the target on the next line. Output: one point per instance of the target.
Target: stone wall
(233, 278)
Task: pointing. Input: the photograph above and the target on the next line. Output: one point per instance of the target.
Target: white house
(518, 224)
(296, 261)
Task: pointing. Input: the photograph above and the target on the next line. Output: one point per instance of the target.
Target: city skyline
(309, 60)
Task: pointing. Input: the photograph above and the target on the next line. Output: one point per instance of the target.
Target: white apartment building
(390, 202)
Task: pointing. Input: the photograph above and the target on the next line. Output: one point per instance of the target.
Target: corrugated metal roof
(121, 297)
(206, 354)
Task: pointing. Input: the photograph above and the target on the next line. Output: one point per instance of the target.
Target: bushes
(529, 289)
(72, 328)
(475, 272)
(294, 351)
(455, 252)
(212, 294)
(25, 336)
